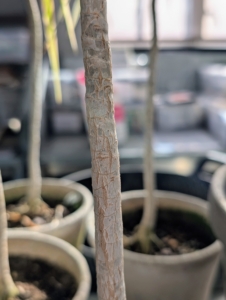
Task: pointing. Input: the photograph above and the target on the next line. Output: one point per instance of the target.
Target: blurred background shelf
(175, 152)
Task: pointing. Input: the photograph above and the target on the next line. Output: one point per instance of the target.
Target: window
(214, 20)
(171, 18)
(178, 20)
(122, 20)
(129, 20)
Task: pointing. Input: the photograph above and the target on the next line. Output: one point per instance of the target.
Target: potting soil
(179, 232)
(38, 280)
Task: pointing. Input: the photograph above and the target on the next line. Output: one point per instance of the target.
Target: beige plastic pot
(217, 199)
(54, 251)
(179, 277)
(70, 227)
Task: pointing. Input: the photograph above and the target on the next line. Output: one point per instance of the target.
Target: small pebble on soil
(177, 237)
(18, 216)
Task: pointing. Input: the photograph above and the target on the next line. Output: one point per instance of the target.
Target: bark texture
(34, 189)
(104, 150)
(7, 286)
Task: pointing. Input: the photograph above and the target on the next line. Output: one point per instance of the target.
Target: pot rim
(217, 187)
(124, 168)
(198, 255)
(87, 173)
(84, 278)
(85, 207)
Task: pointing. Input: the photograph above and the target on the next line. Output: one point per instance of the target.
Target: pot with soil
(46, 205)
(65, 215)
(185, 255)
(45, 267)
(132, 179)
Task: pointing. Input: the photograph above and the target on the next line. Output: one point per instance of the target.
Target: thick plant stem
(7, 287)
(104, 150)
(35, 179)
(149, 214)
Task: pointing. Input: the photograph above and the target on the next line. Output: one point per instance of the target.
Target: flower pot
(55, 252)
(68, 228)
(217, 198)
(186, 276)
(89, 254)
(132, 179)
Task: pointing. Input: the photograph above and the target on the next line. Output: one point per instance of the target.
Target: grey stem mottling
(7, 286)
(104, 150)
(149, 214)
(34, 188)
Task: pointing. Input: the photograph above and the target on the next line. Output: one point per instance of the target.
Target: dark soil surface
(38, 280)
(52, 212)
(179, 232)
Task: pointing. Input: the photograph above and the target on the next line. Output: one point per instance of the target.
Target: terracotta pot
(186, 276)
(54, 251)
(70, 227)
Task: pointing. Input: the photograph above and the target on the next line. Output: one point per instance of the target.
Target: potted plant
(52, 206)
(170, 250)
(42, 267)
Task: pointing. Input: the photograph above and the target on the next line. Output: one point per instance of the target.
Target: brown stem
(34, 188)
(7, 286)
(104, 150)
